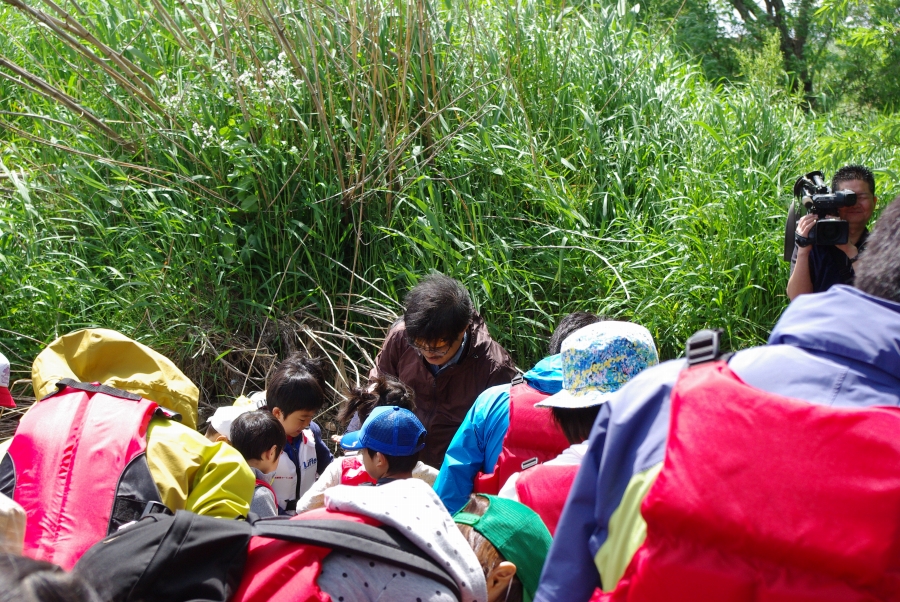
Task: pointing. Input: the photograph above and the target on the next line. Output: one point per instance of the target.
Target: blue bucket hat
(390, 430)
(598, 359)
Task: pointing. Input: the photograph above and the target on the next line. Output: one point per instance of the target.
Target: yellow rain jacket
(190, 472)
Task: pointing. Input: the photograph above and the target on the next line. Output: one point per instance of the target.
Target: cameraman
(815, 268)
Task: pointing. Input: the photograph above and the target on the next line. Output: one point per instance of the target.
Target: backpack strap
(261, 483)
(378, 543)
(96, 388)
(705, 346)
(167, 413)
(107, 390)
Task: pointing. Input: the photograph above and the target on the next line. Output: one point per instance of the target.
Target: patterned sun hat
(600, 358)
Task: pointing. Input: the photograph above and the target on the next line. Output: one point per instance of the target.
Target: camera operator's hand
(804, 225)
(800, 281)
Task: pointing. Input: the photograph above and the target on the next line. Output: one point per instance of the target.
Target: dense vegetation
(228, 181)
(837, 53)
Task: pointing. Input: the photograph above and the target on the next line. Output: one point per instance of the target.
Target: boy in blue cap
(390, 441)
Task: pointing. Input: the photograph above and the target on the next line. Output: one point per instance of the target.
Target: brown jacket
(442, 401)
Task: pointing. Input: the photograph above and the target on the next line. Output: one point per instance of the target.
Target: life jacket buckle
(154, 507)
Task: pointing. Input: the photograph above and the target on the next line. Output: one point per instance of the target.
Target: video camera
(817, 197)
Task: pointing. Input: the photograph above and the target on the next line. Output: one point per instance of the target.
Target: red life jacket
(544, 489)
(192, 557)
(532, 438)
(78, 467)
(353, 472)
(765, 498)
(284, 571)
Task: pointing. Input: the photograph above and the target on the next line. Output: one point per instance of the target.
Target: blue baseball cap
(390, 430)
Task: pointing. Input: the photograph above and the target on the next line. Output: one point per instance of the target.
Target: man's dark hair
(298, 384)
(254, 433)
(399, 463)
(575, 423)
(878, 271)
(438, 308)
(569, 324)
(383, 390)
(853, 172)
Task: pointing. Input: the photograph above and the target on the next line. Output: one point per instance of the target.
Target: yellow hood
(111, 358)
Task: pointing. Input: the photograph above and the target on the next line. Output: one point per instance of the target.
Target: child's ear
(270, 455)
(498, 579)
(222, 438)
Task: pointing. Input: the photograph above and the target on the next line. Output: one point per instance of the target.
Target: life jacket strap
(128, 510)
(705, 346)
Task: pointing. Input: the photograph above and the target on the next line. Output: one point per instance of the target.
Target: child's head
(27, 580)
(296, 392)
(391, 439)
(219, 426)
(259, 437)
(383, 390)
(511, 543)
(597, 360)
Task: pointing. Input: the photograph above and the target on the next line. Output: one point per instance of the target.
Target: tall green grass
(230, 181)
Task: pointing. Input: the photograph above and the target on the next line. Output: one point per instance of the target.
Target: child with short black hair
(390, 439)
(260, 437)
(382, 390)
(296, 393)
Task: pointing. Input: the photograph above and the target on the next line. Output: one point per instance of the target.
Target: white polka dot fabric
(412, 507)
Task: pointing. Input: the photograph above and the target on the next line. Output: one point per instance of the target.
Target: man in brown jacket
(442, 349)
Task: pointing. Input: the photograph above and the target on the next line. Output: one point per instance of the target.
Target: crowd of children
(596, 462)
(488, 548)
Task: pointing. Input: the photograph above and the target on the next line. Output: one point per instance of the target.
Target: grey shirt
(263, 502)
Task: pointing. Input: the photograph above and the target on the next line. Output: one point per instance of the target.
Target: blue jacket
(837, 348)
(479, 440)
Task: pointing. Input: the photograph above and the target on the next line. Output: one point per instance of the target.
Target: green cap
(519, 535)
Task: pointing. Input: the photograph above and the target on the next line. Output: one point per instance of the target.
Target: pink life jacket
(353, 472)
(77, 466)
(765, 498)
(532, 438)
(544, 489)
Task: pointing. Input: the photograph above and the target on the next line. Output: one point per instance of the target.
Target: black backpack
(198, 558)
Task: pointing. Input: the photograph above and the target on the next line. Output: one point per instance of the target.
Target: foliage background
(231, 181)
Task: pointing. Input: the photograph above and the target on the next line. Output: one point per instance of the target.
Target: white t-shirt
(285, 480)
(331, 477)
